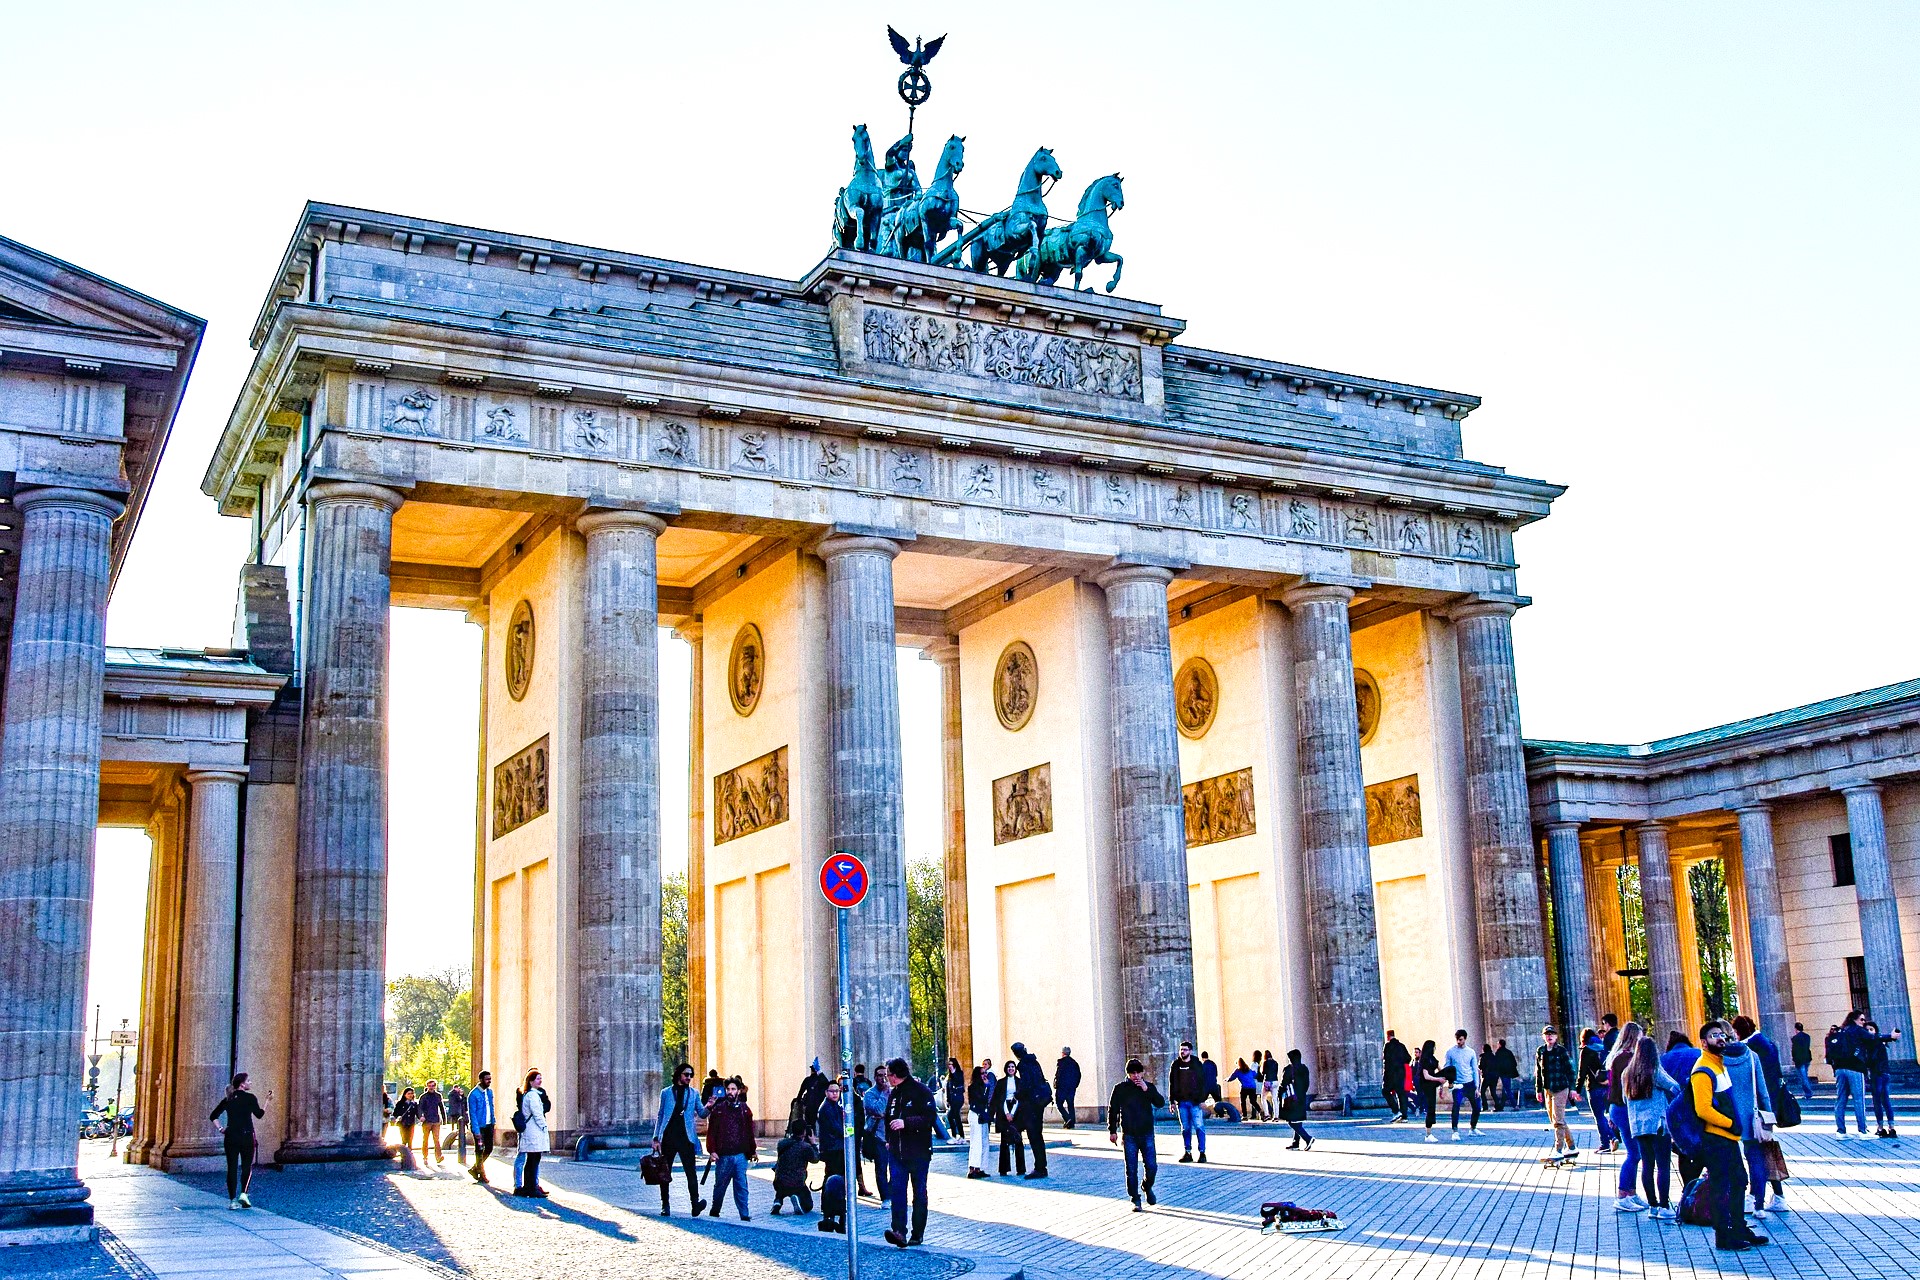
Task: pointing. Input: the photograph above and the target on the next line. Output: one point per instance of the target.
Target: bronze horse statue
(1081, 243)
(998, 241)
(857, 209)
(914, 230)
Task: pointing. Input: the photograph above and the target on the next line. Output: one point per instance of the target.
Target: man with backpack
(1031, 1095)
(1706, 1118)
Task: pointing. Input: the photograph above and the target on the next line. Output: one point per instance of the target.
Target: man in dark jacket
(1553, 1080)
(1031, 1096)
(1130, 1112)
(730, 1139)
(1507, 1072)
(1066, 1082)
(909, 1128)
(1187, 1086)
(1802, 1045)
(790, 1162)
(1394, 1061)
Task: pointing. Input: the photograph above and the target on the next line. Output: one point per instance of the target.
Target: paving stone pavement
(1414, 1211)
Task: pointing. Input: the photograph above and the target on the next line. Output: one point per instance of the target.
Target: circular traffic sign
(843, 880)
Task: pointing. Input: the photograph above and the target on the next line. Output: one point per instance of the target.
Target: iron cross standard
(913, 85)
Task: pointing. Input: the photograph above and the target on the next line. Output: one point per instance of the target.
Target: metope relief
(750, 798)
(520, 789)
(519, 655)
(412, 413)
(1023, 804)
(1051, 362)
(675, 442)
(1196, 697)
(750, 452)
(1393, 810)
(1366, 702)
(1016, 685)
(746, 669)
(1219, 808)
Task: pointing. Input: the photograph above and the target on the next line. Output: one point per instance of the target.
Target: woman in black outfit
(1427, 1079)
(241, 1109)
(406, 1114)
(956, 1098)
(1293, 1098)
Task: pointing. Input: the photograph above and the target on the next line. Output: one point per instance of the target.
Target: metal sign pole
(849, 1178)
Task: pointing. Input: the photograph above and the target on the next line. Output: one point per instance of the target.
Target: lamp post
(122, 1039)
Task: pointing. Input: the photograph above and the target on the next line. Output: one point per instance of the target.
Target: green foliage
(927, 962)
(444, 1057)
(1633, 923)
(430, 1027)
(458, 1021)
(1713, 936)
(673, 969)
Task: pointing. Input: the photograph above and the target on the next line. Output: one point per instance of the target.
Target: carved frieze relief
(751, 797)
(1016, 685)
(746, 669)
(520, 788)
(1219, 808)
(1023, 804)
(1393, 810)
(518, 659)
(1196, 697)
(973, 349)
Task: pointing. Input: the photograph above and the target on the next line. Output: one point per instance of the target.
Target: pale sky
(1672, 247)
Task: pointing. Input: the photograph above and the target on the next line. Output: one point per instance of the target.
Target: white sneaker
(1456, 1135)
(1664, 1215)
(233, 1204)
(244, 1202)
(1780, 1204)
(1758, 1215)
(1628, 1204)
(1430, 1137)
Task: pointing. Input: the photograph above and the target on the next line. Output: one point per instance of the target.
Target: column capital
(846, 541)
(1652, 825)
(91, 500)
(1118, 575)
(1563, 824)
(592, 523)
(327, 493)
(692, 630)
(945, 652)
(1303, 593)
(1482, 607)
(215, 774)
(1848, 789)
(1754, 806)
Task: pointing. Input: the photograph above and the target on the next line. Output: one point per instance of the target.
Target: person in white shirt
(1463, 1067)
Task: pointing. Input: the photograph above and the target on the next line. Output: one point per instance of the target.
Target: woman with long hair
(980, 1103)
(406, 1115)
(956, 1098)
(1427, 1080)
(1293, 1099)
(533, 1104)
(241, 1109)
(1649, 1090)
(1623, 1052)
(1249, 1081)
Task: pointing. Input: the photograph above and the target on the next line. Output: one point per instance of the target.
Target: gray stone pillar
(1886, 956)
(958, 945)
(1662, 921)
(210, 917)
(337, 1031)
(864, 725)
(1333, 846)
(1766, 924)
(692, 631)
(1573, 936)
(49, 805)
(1507, 917)
(619, 887)
(1149, 825)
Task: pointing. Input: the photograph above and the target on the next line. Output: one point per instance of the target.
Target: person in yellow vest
(1713, 1102)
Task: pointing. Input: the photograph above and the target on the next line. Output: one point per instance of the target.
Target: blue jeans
(1193, 1120)
(1806, 1084)
(1880, 1087)
(909, 1175)
(1655, 1152)
(520, 1167)
(883, 1173)
(1139, 1151)
(1849, 1084)
(1597, 1099)
(1469, 1094)
(1630, 1167)
(1756, 1172)
(730, 1169)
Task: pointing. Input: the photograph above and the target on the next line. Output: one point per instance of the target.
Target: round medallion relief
(1196, 697)
(1366, 700)
(1016, 685)
(519, 656)
(746, 669)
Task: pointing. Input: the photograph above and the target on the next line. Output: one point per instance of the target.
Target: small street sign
(123, 1037)
(843, 880)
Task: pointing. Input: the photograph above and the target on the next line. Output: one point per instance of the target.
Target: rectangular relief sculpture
(751, 797)
(1393, 810)
(520, 788)
(1023, 804)
(1219, 808)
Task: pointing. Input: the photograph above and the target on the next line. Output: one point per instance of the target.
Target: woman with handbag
(1753, 1114)
(530, 1119)
(1293, 1099)
(406, 1116)
(1779, 1107)
(1428, 1080)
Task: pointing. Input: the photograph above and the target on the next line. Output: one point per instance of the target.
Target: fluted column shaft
(337, 1031)
(1333, 845)
(619, 887)
(959, 950)
(1573, 935)
(1662, 922)
(1766, 924)
(1149, 828)
(864, 715)
(203, 1044)
(49, 805)
(1886, 956)
(1513, 958)
(693, 631)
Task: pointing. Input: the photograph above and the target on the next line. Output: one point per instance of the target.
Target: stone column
(1333, 846)
(959, 951)
(864, 723)
(1658, 913)
(337, 1031)
(49, 805)
(1149, 825)
(210, 917)
(1513, 952)
(1567, 883)
(1879, 918)
(619, 849)
(693, 632)
(1766, 924)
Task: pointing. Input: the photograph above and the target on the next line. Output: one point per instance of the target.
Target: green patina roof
(1864, 700)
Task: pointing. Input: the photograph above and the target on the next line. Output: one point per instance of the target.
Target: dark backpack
(1696, 1204)
(1684, 1125)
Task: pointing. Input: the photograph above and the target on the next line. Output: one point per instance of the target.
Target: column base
(197, 1156)
(49, 1208)
(354, 1147)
